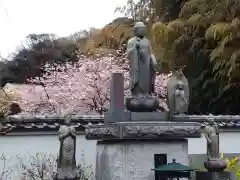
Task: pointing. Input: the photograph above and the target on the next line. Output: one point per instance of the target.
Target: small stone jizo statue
(142, 61)
(66, 163)
(177, 93)
(211, 133)
(181, 102)
(213, 163)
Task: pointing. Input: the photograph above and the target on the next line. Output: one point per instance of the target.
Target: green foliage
(151, 10)
(233, 165)
(204, 37)
(6, 97)
(40, 50)
(112, 36)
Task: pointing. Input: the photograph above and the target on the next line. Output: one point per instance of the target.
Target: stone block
(137, 116)
(149, 116)
(108, 118)
(133, 159)
(200, 175)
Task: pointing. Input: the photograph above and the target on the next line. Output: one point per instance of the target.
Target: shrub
(6, 169)
(233, 165)
(7, 96)
(41, 166)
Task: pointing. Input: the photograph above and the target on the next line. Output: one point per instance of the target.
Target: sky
(18, 18)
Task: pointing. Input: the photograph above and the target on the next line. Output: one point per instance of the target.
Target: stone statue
(177, 93)
(181, 102)
(66, 163)
(211, 133)
(143, 63)
(213, 163)
(143, 67)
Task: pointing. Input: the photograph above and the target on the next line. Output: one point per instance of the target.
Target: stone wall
(28, 145)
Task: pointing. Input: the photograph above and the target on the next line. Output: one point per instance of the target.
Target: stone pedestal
(142, 104)
(215, 176)
(133, 160)
(125, 150)
(67, 175)
(215, 165)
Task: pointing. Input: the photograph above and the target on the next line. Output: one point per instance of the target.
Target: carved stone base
(215, 176)
(143, 130)
(134, 159)
(67, 175)
(138, 116)
(215, 165)
(142, 104)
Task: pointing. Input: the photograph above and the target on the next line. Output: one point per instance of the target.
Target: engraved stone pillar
(116, 111)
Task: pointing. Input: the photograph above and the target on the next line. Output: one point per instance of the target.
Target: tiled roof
(224, 121)
(23, 123)
(48, 123)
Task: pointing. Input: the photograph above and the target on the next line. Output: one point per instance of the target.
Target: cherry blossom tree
(82, 87)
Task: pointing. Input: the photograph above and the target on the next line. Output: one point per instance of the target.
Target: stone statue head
(67, 121)
(178, 73)
(211, 121)
(180, 85)
(140, 29)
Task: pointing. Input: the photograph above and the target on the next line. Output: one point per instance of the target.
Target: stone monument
(130, 140)
(143, 67)
(214, 164)
(66, 162)
(177, 93)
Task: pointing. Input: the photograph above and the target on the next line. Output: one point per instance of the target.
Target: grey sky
(18, 18)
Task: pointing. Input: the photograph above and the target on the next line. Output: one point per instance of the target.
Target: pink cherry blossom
(80, 88)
